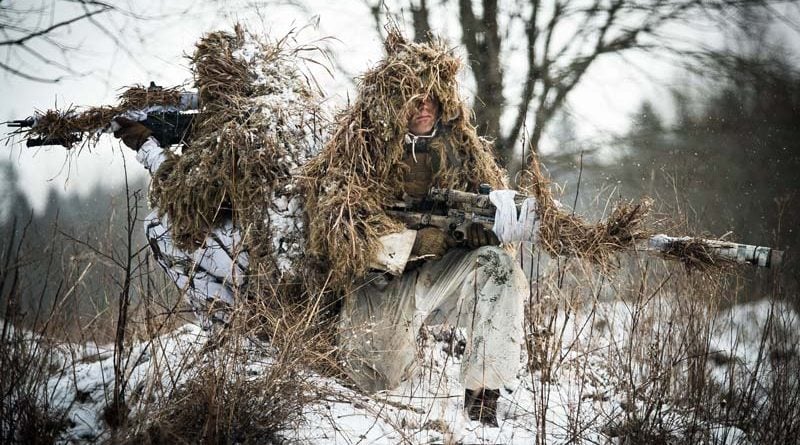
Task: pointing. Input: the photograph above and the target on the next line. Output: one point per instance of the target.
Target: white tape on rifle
(508, 226)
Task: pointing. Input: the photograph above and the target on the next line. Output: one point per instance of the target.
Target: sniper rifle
(170, 124)
(465, 208)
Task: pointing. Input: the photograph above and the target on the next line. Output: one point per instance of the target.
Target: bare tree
(557, 42)
(32, 35)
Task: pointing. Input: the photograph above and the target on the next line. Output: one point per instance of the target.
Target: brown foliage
(359, 172)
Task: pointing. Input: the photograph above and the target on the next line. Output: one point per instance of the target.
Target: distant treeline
(63, 258)
(728, 162)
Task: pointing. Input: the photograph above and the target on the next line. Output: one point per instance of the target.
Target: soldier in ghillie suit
(409, 130)
(227, 224)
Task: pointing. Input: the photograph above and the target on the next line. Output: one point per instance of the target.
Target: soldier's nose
(426, 105)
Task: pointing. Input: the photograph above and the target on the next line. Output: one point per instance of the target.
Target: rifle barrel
(741, 253)
(22, 123)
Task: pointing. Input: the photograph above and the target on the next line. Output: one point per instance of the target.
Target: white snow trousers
(209, 277)
(480, 291)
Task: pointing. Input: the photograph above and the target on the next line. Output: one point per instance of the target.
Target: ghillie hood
(360, 171)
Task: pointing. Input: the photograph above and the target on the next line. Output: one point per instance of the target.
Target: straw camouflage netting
(83, 126)
(359, 171)
(260, 120)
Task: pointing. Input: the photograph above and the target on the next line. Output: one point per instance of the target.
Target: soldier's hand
(430, 241)
(478, 236)
(132, 133)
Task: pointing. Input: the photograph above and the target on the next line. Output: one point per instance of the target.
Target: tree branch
(532, 33)
(24, 75)
(52, 28)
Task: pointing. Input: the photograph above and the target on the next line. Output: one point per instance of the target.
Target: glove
(132, 133)
(477, 236)
(430, 241)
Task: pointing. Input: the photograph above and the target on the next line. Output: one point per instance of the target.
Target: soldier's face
(424, 118)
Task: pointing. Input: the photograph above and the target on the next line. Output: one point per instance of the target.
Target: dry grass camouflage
(81, 126)
(261, 123)
(359, 172)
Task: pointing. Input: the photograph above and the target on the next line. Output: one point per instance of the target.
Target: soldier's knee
(497, 265)
(496, 256)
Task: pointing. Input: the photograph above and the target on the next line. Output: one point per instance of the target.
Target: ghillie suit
(359, 172)
(562, 233)
(260, 121)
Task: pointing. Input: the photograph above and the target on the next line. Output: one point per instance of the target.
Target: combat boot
(481, 405)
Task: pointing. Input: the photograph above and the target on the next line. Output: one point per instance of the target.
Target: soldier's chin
(422, 128)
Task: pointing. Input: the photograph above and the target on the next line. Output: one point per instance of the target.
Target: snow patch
(581, 394)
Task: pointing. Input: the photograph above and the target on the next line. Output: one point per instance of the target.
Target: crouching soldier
(408, 131)
(227, 225)
(212, 274)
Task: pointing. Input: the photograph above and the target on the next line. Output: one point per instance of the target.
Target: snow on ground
(583, 398)
(84, 385)
(740, 333)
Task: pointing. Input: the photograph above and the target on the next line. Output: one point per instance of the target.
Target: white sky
(156, 48)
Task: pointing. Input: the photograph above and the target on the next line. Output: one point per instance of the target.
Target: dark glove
(430, 241)
(132, 133)
(477, 236)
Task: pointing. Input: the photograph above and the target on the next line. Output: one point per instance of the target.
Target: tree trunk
(422, 27)
(483, 50)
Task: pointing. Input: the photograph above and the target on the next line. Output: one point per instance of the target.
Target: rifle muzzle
(23, 123)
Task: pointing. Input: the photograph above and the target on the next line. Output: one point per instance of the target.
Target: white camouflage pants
(210, 277)
(480, 291)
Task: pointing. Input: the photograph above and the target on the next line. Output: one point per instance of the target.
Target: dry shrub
(360, 172)
(26, 416)
(27, 358)
(223, 404)
(249, 383)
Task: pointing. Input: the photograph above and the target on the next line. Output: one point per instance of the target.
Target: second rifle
(453, 211)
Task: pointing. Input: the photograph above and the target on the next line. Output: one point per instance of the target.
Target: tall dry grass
(637, 353)
(244, 385)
